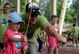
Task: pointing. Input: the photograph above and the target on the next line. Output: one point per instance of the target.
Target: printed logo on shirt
(56, 29)
(18, 45)
(3, 21)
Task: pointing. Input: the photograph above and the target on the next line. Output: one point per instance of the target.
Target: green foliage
(68, 16)
(75, 6)
(39, 32)
(23, 5)
(59, 7)
(48, 11)
(47, 7)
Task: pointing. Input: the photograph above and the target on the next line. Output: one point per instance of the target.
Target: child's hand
(25, 48)
(24, 37)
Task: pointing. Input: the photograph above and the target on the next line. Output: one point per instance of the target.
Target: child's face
(15, 26)
(54, 20)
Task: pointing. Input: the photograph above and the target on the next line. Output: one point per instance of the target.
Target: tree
(75, 15)
(68, 16)
(23, 4)
(46, 9)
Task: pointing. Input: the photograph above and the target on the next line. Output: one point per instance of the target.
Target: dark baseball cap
(34, 7)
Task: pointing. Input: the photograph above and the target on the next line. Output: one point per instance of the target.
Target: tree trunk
(62, 16)
(18, 6)
(53, 5)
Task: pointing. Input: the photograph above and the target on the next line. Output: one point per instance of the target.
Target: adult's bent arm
(48, 29)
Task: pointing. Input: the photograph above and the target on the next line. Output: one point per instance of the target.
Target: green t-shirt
(41, 20)
(3, 25)
(75, 31)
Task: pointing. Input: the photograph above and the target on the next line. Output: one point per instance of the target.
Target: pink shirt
(52, 40)
(12, 47)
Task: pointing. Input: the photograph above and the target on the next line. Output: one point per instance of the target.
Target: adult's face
(6, 9)
(32, 19)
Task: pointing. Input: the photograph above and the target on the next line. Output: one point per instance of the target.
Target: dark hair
(74, 25)
(9, 21)
(6, 4)
(53, 16)
(27, 9)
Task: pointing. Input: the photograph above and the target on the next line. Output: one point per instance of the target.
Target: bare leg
(56, 50)
(76, 39)
(51, 50)
(73, 41)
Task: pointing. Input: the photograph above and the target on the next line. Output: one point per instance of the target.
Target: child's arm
(15, 39)
(25, 46)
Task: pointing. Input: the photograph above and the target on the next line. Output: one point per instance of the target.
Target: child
(52, 41)
(13, 39)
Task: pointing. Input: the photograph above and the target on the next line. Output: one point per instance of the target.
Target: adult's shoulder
(42, 20)
(41, 16)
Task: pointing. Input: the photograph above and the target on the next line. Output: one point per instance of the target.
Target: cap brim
(18, 21)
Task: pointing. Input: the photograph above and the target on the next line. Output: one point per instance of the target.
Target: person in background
(13, 39)
(37, 21)
(52, 41)
(4, 22)
(74, 33)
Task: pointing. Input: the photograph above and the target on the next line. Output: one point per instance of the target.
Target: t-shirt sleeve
(7, 35)
(42, 20)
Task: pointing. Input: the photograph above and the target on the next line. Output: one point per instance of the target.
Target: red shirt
(10, 46)
(51, 39)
